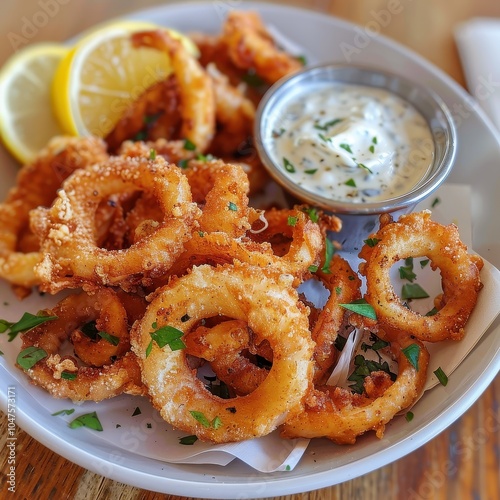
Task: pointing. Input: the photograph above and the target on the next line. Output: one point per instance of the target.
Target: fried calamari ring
(92, 383)
(70, 255)
(196, 93)
(37, 184)
(416, 235)
(251, 47)
(342, 416)
(222, 188)
(269, 305)
(219, 248)
(171, 151)
(344, 287)
(223, 346)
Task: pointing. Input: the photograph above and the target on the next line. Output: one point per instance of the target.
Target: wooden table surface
(463, 462)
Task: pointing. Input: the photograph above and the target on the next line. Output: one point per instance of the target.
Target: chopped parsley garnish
(112, 339)
(311, 171)
(409, 416)
(346, 147)
(365, 367)
(413, 291)
(252, 79)
(288, 166)
(324, 138)
(183, 163)
(216, 423)
(152, 154)
(312, 212)
(374, 140)
(360, 307)
(376, 345)
(435, 202)
(291, 221)
(329, 252)
(27, 322)
(312, 268)
(363, 166)
(441, 376)
(189, 145)
(69, 375)
(406, 271)
(412, 353)
(288, 468)
(371, 242)
(424, 262)
(217, 389)
(328, 124)
(340, 342)
(205, 158)
(302, 60)
(89, 420)
(232, 206)
(166, 335)
(30, 356)
(350, 182)
(372, 149)
(188, 440)
(63, 412)
(432, 312)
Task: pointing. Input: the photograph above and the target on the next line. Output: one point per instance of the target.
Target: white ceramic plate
(324, 39)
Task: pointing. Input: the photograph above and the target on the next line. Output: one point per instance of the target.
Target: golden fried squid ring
(104, 378)
(171, 151)
(250, 46)
(222, 188)
(70, 255)
(269, 305)
(220, 248)
(196, 93)
(222, 346)
(344, 287)
(342, 416)
(37, 184)
(416, 235)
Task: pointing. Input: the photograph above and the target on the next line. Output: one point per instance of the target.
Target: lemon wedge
(103, 74)
(27, 121)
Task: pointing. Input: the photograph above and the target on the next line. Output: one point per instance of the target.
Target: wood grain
(463, 462)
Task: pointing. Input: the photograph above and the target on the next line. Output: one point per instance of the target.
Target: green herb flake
(27, 322)
(371, 242)
(232, 206)
(188, 440)
(288, 166)
(441, 376)
(287, 468)
(409, 416)
(63, 412)
(412, 353)
(346, 147)
(69, 375)
(183, 163)
(292, 221)
(89, 420)
(328, 124)
(360, 307)
(313, 269)
(152, 154)
(329, 252)
(302, 60)
(424, 263)
(30, 356)
(372, 149)
(112, 339)
(324, 138)
(137, 411)
(432, 312)
(149, 348)
(364, 167)
(413, 291)
(374, 140)
(310, 171)
(217, 423)
(168, 335)
(312, 213)
(363, 368)
(338, 290)
(253, 80)
(189, 145)
(200, 417)
(350, 182)
(435, 202)
(406, 273)
(340, 342)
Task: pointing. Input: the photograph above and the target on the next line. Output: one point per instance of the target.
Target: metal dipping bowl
(359, 218)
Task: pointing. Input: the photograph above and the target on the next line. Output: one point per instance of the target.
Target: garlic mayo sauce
(352, 142)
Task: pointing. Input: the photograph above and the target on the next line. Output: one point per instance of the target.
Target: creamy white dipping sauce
(352, 143)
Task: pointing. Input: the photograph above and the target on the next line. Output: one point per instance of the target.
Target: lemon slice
(103, 75)
(27, 121)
